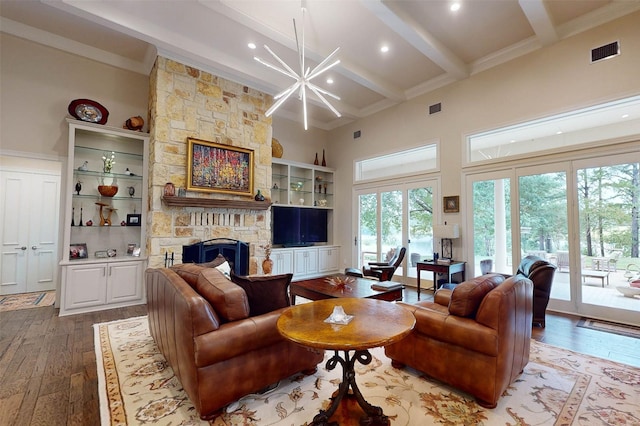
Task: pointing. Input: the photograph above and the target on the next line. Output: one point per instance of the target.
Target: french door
(394, 216)
(581, 215)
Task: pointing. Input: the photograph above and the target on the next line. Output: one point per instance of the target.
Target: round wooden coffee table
(375, 323)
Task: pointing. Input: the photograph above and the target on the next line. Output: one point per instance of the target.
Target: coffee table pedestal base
(349, 389)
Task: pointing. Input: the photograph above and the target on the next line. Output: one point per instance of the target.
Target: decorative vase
(315, 162)
(324, 162)
(169, 189)
(267, 266)
(259, 196)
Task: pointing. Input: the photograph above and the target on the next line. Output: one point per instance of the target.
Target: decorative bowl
(296, 186)
(107, 190)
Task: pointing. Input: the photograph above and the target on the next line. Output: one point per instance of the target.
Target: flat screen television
(298, 227)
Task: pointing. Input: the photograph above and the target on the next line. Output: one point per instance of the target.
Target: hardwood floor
(48, 368)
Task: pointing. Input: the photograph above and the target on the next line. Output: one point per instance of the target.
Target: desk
(440, 268)
(375, 323)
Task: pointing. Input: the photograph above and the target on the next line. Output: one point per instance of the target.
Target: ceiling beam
(540, 21)
(407, 27)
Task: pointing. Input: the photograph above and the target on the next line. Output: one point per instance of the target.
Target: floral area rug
(137, 387)
(27, 300)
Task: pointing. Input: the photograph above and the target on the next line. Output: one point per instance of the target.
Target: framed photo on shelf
(134, 219)
(78, 251)
(213, 167)
(130, 248)
(451, 204)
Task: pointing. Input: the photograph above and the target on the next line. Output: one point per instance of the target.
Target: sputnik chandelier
(302, 79)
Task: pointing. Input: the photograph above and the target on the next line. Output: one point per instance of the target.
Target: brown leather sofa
(475, 338)
(220, 352)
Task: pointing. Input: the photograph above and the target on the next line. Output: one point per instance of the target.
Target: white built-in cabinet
(300, 184)
(307, 186)
(94, 280)
(306, 262)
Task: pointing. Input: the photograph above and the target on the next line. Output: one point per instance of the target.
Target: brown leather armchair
(541, 273)
(475, 338)
(382, 271)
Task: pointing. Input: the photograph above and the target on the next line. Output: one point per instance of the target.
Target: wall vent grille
(604, 52)
(435, 108)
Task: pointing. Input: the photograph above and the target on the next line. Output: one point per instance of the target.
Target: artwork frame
(214, 167)
(451, 204)
(78, 251)
(134, 220)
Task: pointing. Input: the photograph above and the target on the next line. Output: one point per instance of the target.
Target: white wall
(548, 81)
(37, 84)
(300, 145)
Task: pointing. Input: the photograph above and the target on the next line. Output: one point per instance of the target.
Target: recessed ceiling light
(625, 116)
(454, 7)
(251, 45)
(559, 132)
(329, 80)
(384, 49)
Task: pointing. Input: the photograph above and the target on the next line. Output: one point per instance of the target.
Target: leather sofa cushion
(227, 299)
(190, 271)
(467, 296)
(265, 293)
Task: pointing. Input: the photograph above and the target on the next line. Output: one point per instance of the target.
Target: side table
(449, 269)
(375, 323)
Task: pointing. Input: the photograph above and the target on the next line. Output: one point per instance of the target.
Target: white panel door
(28, 231)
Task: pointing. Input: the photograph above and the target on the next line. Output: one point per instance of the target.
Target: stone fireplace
(187, 102)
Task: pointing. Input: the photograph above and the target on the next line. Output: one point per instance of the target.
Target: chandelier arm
(283, 63)
(317, 73)
(304, 106)
(285, 91)
(276, 68)
(325, 101)
(280, 101)
(321, 90)
(322, 64)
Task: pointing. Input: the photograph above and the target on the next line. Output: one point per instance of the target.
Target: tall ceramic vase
(267, 266)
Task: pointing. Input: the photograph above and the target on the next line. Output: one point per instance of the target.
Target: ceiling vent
(604, 52)
(435, 108)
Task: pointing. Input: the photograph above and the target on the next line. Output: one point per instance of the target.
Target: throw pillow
(227, 299)
(190, 271)
(467, 296)
(265, 293)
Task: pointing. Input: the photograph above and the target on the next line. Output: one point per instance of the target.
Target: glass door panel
(491, 226)
(367, 241)
(608, 200)
(420, 229)
(544, 231)
(391, 224)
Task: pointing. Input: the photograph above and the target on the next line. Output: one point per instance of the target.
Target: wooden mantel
(216, 204)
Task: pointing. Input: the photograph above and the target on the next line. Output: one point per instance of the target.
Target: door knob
(21, 248)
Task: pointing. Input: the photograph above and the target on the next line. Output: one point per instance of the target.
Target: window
(410, 162)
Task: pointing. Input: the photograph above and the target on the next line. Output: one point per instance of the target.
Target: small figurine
(84, 167)
(129, 172)
(79, 186)
(132, 191)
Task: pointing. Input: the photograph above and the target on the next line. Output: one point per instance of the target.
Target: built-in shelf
(214, 203)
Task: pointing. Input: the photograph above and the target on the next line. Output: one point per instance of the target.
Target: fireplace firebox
(236, 252)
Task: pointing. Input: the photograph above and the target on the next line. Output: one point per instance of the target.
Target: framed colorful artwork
(213, 167)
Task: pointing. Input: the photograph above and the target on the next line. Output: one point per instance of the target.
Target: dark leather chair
(541, 273)
(382, 271)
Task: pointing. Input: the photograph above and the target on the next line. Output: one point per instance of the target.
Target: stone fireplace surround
(187, 102)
